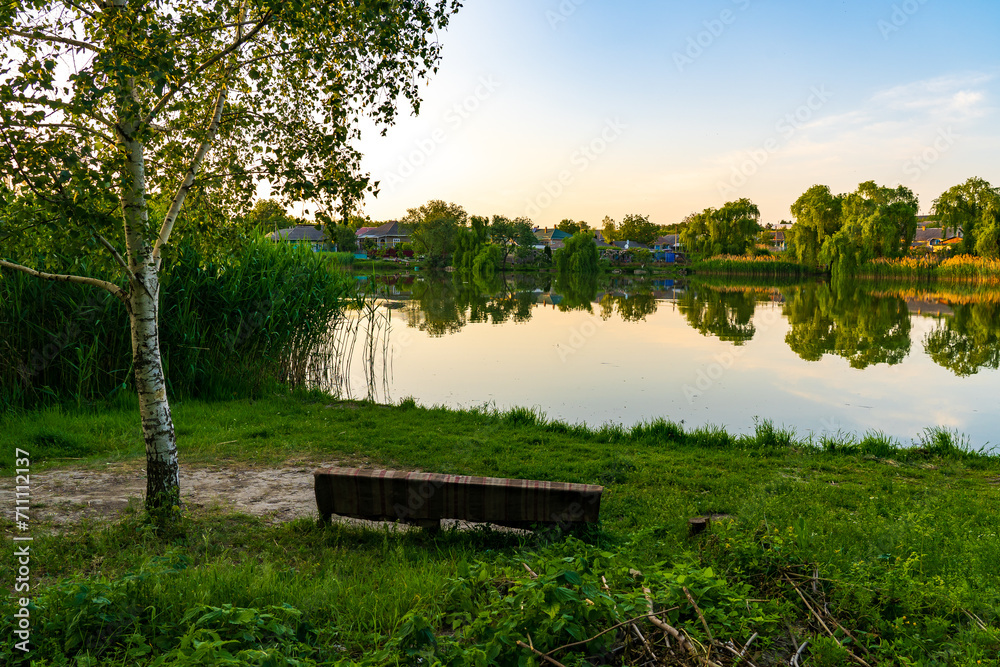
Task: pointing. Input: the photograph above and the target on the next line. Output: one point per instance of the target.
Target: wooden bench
(424, 499)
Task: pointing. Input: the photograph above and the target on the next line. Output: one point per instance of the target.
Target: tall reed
(227, 327)
(744, 265)
(961, 268)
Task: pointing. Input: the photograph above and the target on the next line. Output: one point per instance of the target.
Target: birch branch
(115, 291)
(55, 39)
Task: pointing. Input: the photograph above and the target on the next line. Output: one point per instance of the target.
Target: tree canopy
(638, 228)
(506, 233)
(571, 227)
(817, 217)
(434, 229)
(728, 230)
(578, 255)
(971, 208)
(876, 221)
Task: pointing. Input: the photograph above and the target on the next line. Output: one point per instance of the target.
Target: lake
(813, 357)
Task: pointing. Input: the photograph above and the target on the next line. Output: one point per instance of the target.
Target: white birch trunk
(162, 476)
(162, 471)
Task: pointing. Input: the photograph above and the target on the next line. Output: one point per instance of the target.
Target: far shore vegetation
(873, 232)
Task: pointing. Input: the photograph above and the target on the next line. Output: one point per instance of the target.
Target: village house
(388, 235)
(311, 235)
(550, 238)
(665, 248)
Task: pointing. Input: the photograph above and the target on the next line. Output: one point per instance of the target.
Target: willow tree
(108, 104)
(876, 221)
(817, 217)
(971, 208)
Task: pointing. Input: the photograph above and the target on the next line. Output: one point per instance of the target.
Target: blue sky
(586, 108)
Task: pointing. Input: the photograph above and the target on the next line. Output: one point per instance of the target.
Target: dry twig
(539, 653)
(698, 611)
(825, 627)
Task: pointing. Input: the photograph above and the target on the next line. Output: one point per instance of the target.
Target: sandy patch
(67, 495)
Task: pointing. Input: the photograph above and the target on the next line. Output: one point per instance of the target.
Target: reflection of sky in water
(576, 367)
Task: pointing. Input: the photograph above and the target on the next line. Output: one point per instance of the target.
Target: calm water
(812, 357)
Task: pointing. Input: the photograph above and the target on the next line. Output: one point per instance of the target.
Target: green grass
(896, 534)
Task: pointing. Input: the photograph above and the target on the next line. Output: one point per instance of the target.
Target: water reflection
(444, 304)
(849, 321)
(724, 313)
(969, 340)
(860, 323)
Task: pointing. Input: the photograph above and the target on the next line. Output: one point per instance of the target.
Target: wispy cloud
(942, 99)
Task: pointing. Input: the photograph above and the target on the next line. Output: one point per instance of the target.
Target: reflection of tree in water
(847, 321)
(444, 304)
(578, 291)
(495, 300)
(632, 300)
(631, 306)
(726, 314)
(968, 341)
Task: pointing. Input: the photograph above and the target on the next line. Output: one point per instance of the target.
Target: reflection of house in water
(547, 298)
(928, 308)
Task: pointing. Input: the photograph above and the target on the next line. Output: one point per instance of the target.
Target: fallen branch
(666, 627)
(738, 654)
(602, 632)
(530, 571)
(649, 649)
(794, 662)
(539, 653)
(821, 622)
(846, 631)
(698, 611)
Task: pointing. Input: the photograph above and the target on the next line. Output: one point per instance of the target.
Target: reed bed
(952, 295)
(961, 268)
(227, 328)
(743, 265)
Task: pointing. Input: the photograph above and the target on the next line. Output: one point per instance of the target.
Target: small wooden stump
(698, 524)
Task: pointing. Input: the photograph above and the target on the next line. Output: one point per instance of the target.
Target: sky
(582, 109)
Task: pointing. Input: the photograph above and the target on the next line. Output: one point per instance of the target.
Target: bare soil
(64, 496)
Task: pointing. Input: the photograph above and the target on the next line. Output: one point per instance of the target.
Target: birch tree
(105, 104)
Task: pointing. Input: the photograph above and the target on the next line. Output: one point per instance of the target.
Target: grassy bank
(894, 546)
